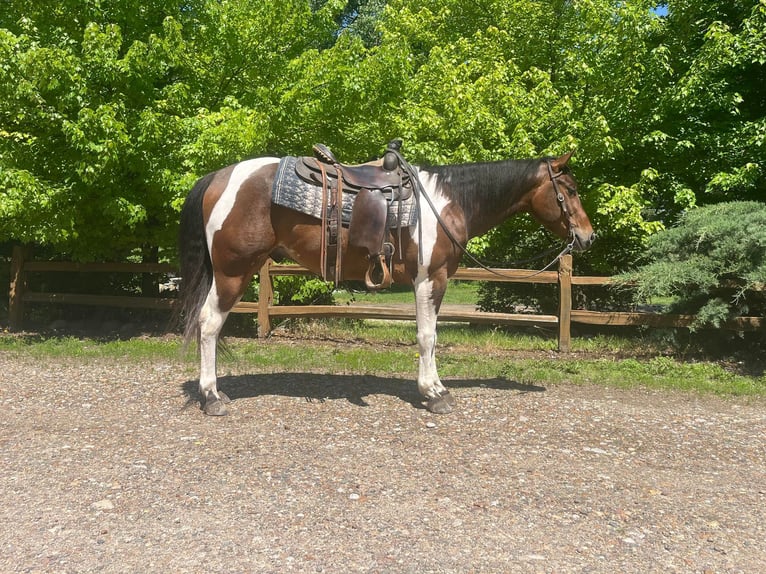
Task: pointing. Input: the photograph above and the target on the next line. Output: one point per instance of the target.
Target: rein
(419, 191)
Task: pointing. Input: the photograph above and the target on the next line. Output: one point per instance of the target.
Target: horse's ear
(559, 163)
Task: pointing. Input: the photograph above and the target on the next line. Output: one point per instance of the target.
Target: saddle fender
(368, 221)
(367, 231)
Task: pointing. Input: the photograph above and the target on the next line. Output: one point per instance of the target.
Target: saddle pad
(291, 191)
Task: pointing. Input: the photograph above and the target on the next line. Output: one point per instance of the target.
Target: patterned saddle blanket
(295, 193)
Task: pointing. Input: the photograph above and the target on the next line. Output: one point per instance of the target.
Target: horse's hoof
(449, 398)
(441, 404)
(216, 406)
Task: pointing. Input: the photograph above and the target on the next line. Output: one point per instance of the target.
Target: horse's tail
(196, 267)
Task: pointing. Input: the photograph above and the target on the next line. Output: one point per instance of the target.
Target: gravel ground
(113, 468)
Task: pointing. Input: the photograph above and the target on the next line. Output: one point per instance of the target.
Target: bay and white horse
(230, 226)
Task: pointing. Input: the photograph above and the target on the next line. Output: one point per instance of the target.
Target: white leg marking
(223, 206)
(211, 320)
(429, 383)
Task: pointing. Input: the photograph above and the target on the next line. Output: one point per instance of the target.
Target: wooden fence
(21, 265)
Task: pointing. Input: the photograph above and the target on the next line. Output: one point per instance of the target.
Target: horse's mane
(487, 185)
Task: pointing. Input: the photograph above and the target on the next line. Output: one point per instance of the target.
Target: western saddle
(374, 185)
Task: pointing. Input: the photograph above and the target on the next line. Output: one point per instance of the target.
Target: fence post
(17, 288)
(265, 299)
(565, 303)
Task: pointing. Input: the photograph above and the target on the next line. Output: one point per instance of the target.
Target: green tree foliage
(707, 262)
(80, 148)
(710, 122)
(110, 110)
(523, 79)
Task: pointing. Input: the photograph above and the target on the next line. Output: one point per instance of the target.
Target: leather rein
(420, 192)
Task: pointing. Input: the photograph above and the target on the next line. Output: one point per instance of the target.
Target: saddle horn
(391, 157)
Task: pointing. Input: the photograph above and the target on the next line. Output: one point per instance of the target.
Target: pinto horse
(230, 226)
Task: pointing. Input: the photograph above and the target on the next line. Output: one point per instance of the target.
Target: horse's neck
(488, 193)
(484, 217)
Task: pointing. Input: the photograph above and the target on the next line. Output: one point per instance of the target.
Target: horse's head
(556, 204)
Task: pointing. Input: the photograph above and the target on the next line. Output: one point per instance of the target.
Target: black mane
(489, 187)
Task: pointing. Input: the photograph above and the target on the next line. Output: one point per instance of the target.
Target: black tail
(196, 267)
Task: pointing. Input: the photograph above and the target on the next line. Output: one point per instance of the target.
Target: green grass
(388, 349)
(461, 334)
(657, 373)
(458, 293)
(62, 347)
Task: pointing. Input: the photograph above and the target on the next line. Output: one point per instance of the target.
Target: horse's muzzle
(582, 242)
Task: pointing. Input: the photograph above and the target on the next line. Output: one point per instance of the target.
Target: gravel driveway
(112, 468)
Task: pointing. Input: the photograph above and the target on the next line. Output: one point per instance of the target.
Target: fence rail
(22, 264)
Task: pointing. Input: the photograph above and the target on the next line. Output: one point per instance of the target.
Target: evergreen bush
(708, 263)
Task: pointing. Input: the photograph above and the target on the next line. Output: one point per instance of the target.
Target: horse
(229, 227)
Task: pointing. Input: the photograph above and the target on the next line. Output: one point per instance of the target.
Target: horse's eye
(571, 191)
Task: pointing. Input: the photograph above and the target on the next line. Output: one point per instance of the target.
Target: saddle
(384, 174)
(374, 186)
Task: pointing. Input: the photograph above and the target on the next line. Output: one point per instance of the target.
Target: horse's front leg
(429, 291)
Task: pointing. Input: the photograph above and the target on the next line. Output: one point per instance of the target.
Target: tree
(710, 122)
(109, 111)
(80, 143)
(522, 79)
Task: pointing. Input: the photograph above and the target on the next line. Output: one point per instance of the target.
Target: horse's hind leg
(211, 320)
(224, 294)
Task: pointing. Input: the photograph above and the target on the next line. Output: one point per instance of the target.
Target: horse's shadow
(315, 387)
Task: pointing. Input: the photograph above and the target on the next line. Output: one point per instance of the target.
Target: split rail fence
(22, 265)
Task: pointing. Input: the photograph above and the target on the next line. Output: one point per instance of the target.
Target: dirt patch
(112, 468)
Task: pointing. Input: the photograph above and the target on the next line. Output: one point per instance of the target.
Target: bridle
(420, 192)
(562, 204)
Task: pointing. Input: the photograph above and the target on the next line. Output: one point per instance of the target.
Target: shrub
(299, 290)
(707, 263)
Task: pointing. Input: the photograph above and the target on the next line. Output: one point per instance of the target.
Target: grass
(656, 373)
(388, 349)
(458, 293)
(38, 346)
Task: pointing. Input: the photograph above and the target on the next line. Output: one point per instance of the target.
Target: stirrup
(383, 258)
(386, 280)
